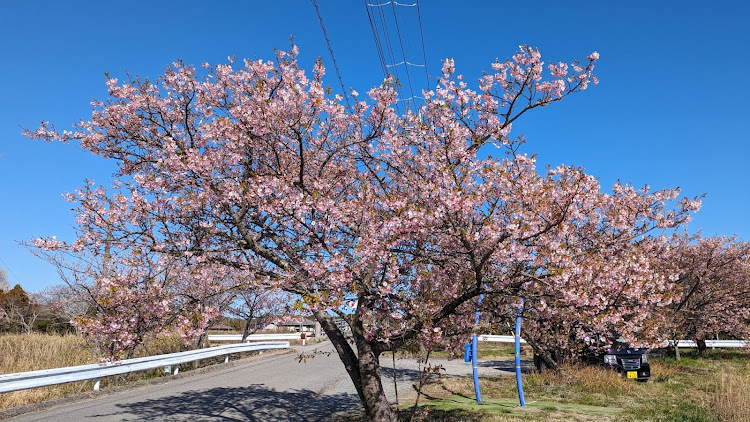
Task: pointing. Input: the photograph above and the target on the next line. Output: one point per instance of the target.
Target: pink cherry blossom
(252, 176)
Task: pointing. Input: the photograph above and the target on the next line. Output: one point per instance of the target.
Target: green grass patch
(464, 408)
(512, 406)
(713, 387)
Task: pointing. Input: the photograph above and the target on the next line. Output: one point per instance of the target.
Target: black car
(629, 362)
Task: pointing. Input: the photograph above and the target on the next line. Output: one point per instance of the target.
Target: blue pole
(519, 383)
(474, 347)
(478, 313)
(474, 368)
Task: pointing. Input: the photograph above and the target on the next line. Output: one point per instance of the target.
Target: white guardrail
(45, 377)
(680, 343)
(500, 339)
(253, 337)
(709, 343)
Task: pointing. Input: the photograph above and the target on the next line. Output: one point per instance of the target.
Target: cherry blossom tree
(394, 222)
(121, 298)
(259, 308)
(711, 277)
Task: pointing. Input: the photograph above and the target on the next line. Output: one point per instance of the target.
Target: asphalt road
(269, 387)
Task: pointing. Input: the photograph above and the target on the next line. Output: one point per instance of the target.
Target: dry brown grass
(30, 352)
(664, 370)
(732, 396)
(584, 378)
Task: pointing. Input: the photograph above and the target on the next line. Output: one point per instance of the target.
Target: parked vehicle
(629, 362)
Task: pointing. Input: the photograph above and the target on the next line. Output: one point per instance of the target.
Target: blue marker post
(474, 347)
(519, 383)
(474, 368)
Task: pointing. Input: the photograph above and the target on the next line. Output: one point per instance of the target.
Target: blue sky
(671, 109)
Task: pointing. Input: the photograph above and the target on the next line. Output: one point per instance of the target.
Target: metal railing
(680, 343)
(500, 339)
(709, 343)
(25, 380)
(254, 337)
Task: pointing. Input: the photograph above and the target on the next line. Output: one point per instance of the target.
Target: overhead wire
(385, 41)
(424, 54)
(9, 270)
(410, 65)
(403, 62)
(403, 53)
(391, 56)
(391, 2)
(333, 58)
(378, 45)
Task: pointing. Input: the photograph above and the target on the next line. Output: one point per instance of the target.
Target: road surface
(267, 387)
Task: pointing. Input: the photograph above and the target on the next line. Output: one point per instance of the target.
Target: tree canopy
(255, 175)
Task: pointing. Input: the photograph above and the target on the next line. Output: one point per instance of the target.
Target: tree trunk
(701, 346)
(198, 345)
(547, 360)
(363, 369)
(376, 403)
(543, 359)
(246, 331)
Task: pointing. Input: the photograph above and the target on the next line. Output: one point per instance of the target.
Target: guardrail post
(226, 359)
(96, 384)
(176, 369)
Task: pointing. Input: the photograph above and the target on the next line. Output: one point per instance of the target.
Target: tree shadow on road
(252, 403)
(401, 373)
(507, 365)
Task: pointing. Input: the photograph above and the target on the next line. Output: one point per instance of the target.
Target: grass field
(715, 387)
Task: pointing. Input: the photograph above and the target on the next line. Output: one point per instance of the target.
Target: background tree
(121, 298)
(4, 285)
(62, 305)
(20, 311)
(394, 223)
(259, 308)
(711, 277)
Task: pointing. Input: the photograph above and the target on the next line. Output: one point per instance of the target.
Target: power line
(404, 62)
(391, 2)
(378, 46)
(387, 52)
(403, 53)
(388, 45)
(330, 50)
(409, 65)
(10, 271)
(424, 55)
(385, 40)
